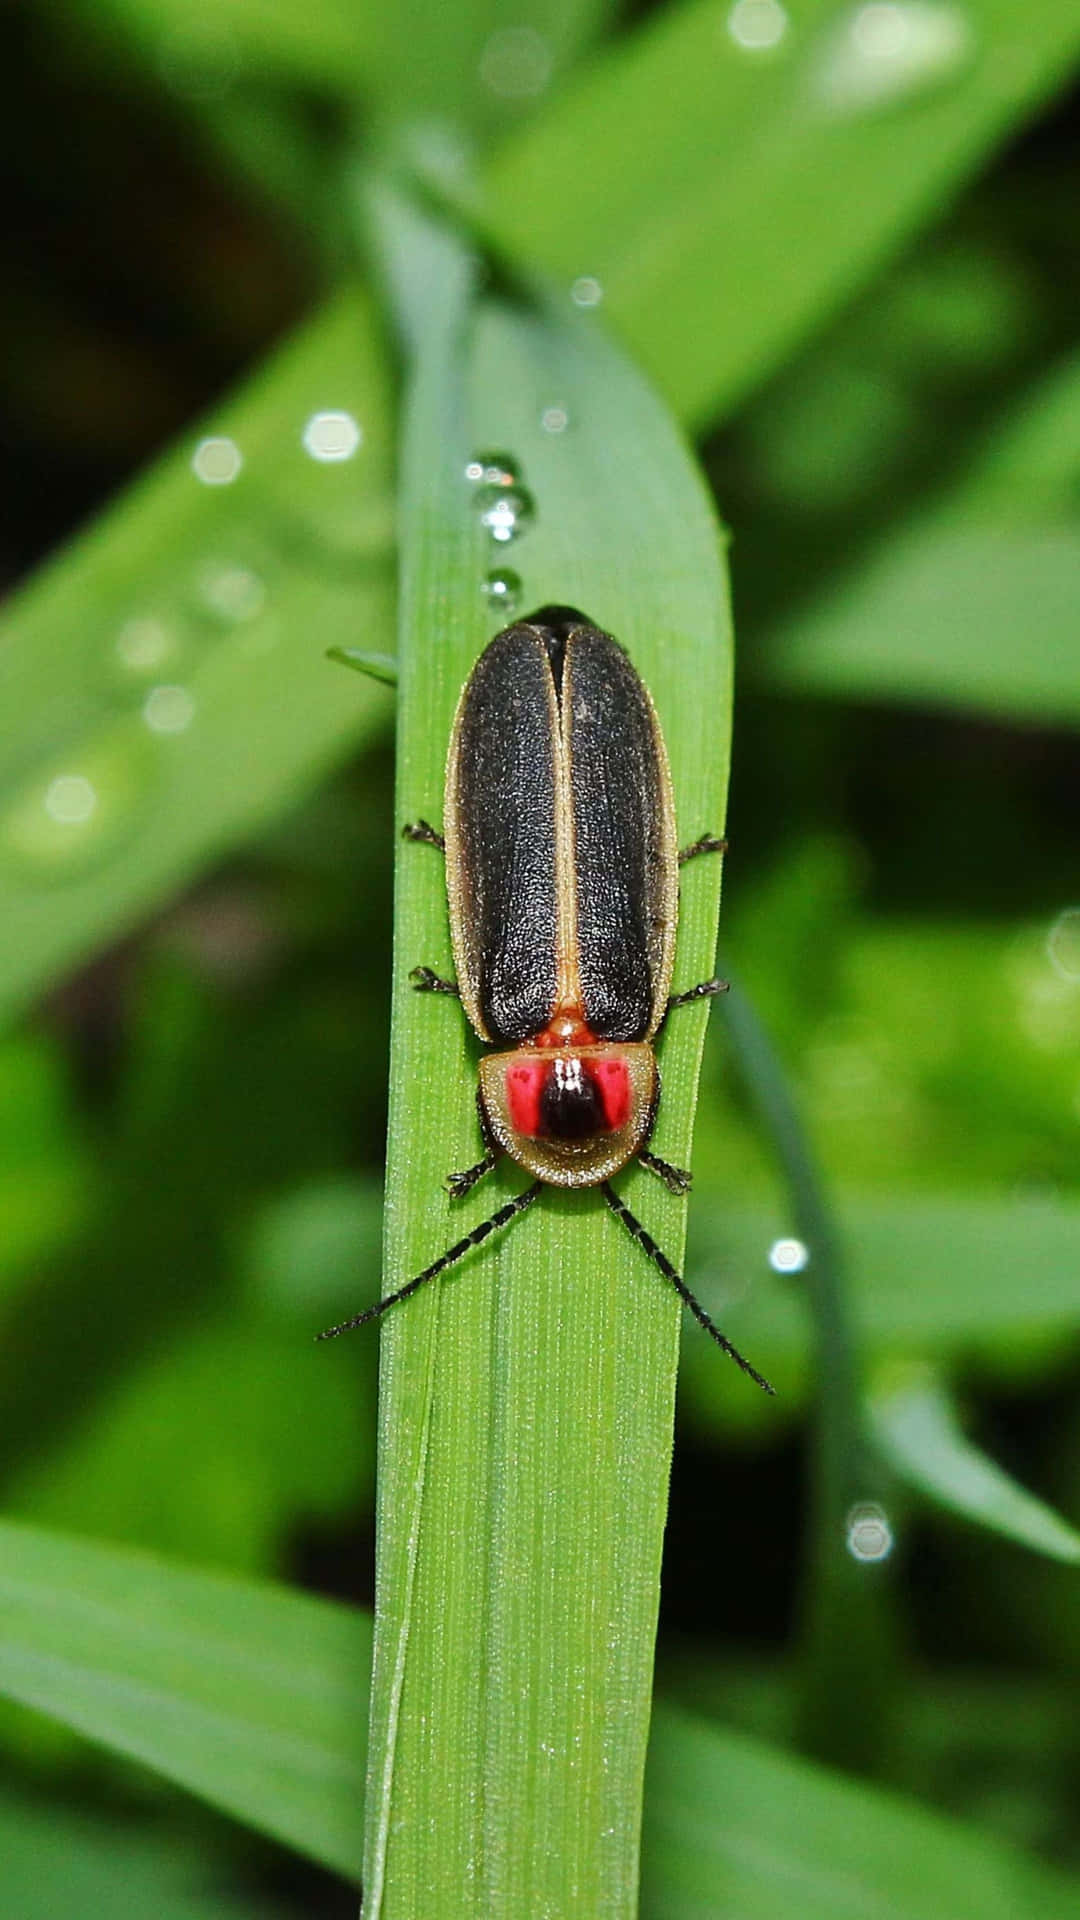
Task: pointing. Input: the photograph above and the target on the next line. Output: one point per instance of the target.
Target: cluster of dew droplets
(505, 509)
(88, 797)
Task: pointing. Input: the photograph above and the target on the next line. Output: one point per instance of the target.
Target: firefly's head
(571, 1115)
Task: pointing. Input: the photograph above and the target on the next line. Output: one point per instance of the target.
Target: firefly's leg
(422, 830)
(459, 1184)
(704, 990)
(501, 1219)
(675, 1179)
(424, 981)
(708, 843)
(660, 1260)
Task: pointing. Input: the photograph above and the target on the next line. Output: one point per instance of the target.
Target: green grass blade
(734, 1829)
(527, 1400)
(728, 200)
(974, 618)
(942, 611)
(168, 669)
(199, 56)
(411, 58)
(917, 1430)
(242, 1694)
(57, 1862)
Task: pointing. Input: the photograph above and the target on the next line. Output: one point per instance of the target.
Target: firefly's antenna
(501, 1219)
(637, 1232)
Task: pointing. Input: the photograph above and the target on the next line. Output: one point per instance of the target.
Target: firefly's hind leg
(423, 830)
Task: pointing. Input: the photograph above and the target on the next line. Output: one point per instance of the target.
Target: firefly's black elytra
(562, 875)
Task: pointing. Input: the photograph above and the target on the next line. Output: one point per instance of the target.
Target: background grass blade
(970, 604)
(844, 1623)
(170, 664)
(56, 1862)
(917, 1429)
(728, 199)
(527, 1401)
(242, 1694)
(736, 1829)
(1009, 1267)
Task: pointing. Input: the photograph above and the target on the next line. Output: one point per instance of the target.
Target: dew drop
(493, 470)
(757, 25)
(169, 709)
(789, 1256)
(143, 646)
(869, 1535)
(501, 589)
(554, 420)
(71, 815)
(216, 461)
(586, 291)
(232, 592)
(504, 511)
(889, 51)
(332, 436)
(70, 800)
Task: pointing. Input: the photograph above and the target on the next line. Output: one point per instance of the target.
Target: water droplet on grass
(169, 709)
(332, 436)
(501, 589)
(757, 25)
(788, 1256)
(143, 646)
(216, 461)
(554, 420)
(869, 1535)
(232, 592)
(505, 511)
(890, 51)
(72, 814)
(493, 470)
(586, 291)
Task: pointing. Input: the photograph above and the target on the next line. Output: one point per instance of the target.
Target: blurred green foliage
(841, 240)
